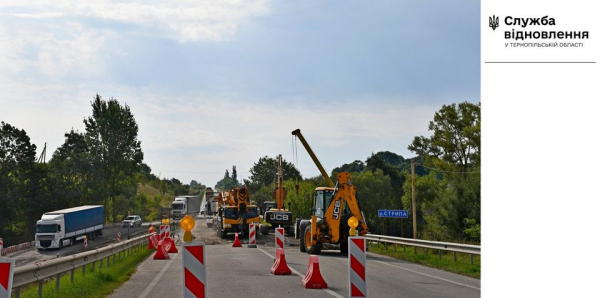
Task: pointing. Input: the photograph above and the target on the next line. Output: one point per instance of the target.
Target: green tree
(17, 158)
(264, 173)
(111, 134)
(456, 139)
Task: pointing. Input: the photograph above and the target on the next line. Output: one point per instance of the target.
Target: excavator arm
(345, 193)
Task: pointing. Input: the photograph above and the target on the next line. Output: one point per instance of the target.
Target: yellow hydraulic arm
(314, 157)
(280, 193)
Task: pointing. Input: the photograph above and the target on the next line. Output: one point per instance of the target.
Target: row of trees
(101, 165)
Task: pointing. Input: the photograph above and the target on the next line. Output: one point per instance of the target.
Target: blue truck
(63, 227)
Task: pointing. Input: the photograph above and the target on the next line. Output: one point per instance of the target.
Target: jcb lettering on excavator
(336, 210)
(283, 217)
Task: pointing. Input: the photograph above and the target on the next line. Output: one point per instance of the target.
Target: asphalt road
(245, 272)
(109, 236)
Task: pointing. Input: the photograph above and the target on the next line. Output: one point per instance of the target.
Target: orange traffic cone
(237, 243)
(280, 266)
(170, 247)
(161, 253)
(313, 278)
(152, 242)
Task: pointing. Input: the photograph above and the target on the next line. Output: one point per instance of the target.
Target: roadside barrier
(236, 242)
(194, 270)
(280, 266)
(252, 240)
(161, 252)
(85, 242)
(54, 268)
(119, 237)
(313, 278)
(357, 266)
(279, 239)
(7, 268)
(1, 245)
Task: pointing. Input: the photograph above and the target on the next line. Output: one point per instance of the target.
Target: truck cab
(179, 207)
(49, 231)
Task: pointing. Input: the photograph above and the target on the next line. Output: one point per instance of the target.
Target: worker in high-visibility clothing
(151, 229)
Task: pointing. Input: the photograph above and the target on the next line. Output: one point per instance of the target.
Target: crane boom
(314, 157)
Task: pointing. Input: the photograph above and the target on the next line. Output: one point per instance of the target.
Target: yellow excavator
(235, 212)
(275, 212)
(332, 207)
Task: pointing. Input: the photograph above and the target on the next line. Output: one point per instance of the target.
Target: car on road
(132, 221)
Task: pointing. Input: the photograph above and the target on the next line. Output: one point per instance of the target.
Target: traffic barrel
(7, 268)
(161, 252)
(357, 265)
(280, 266)
(194, 270)
(236, 242)
(252, 240)
(279, 239)
(313, 278)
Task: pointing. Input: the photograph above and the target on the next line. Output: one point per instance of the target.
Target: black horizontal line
(540, 62)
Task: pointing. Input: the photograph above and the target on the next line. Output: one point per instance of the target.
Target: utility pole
(414, 199)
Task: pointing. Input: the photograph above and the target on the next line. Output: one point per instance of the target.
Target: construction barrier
(279, 239)
(161, 252)
(7, 268)
(313, 278)
(357, 266)
(164, 232)
(119, 237)
(1, 245)
(252, 240)
(280, 266)
(236, 242)
(152, 242)
(170, 247)
(85, 242)
(194, 270)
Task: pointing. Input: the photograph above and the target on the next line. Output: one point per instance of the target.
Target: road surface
(245, 272)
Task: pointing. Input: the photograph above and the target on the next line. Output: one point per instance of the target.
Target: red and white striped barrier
(119, 237)
(85, 242)
(252, 240)
(7, 268)
(165, 232)
(357, 266)
(1, 246)
(279, 239)
(194, 270)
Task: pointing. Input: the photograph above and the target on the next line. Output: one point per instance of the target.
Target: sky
(214, 84)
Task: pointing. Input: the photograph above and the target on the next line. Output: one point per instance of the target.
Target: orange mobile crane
(277, 215)
(332, 207)
(235, 212)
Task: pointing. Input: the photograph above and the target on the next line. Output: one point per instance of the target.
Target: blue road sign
(393, 213)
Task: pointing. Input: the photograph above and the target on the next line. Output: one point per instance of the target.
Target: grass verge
(99, 283)
(432, 259)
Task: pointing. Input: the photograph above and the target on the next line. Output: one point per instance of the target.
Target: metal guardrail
(440, 246)
(38, 272)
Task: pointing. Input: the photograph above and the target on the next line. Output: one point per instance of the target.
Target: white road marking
(424, 274)
(332, 293)
(156, 279)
